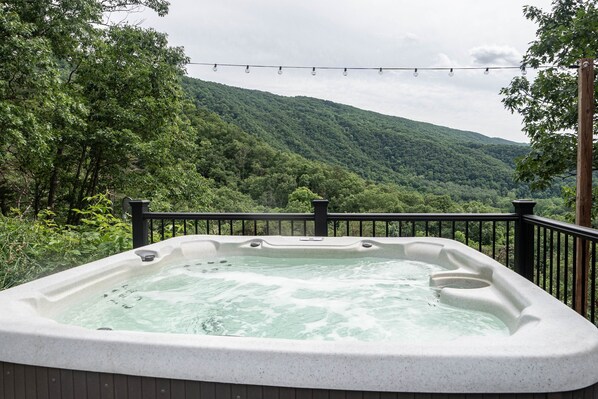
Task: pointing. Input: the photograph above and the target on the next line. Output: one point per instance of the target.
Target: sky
(360, 33)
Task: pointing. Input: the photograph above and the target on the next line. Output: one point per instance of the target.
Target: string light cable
(523, 69)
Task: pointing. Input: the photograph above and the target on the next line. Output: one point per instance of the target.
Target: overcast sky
(360, 33)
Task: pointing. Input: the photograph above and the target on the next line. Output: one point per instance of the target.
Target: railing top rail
(564, 227)
(457, 217)
(228, 216)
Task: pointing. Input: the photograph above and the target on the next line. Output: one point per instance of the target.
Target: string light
(345, 70)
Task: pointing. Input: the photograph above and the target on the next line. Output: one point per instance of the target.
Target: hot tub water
(364, 299)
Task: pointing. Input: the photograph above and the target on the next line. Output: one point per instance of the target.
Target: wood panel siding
(19, 381)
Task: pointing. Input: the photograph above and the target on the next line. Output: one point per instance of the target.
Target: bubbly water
(365, 299)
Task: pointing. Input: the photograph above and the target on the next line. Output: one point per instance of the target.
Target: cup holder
(459, 282)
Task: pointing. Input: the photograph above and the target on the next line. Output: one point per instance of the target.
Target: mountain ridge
(378, 147)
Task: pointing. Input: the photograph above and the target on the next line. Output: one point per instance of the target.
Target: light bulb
(380, 71)
(345, 73)
(415, 73)
(313, 71)
(247, 69)
(215, 68)
(487, 71)
(451, 73)
(280, 70)
(523, 70)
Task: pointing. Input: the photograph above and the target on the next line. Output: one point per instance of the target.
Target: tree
(82, 101)
(29, 97)
(300, 200)
(130, 86)
(549, 103)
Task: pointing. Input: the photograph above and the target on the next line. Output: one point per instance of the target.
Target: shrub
(30, 248)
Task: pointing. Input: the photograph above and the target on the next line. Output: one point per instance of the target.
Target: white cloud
(495, 55)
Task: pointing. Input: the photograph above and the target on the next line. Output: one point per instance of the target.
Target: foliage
(30, 248)
(385, 149)
(549, 103)
(79, 99)
(300, 200)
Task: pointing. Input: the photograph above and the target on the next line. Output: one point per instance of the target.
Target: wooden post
(583, 211)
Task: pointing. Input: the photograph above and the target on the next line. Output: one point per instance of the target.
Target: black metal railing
(544, 251)
(564, 262)
(491, 234)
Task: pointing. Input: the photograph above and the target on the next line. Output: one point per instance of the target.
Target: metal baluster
(494, 239)
(574, 272)
(507, 246)
(467, 232)
(151, 231)
(480, 236)
(551, 259)
(558, 265)
(593, 285)
(566, 277)
(544, 260)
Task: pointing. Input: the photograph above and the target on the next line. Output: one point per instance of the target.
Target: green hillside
(378, 147)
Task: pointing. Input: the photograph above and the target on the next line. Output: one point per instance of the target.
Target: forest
(92, 112)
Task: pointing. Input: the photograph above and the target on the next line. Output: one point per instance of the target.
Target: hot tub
(545, 347)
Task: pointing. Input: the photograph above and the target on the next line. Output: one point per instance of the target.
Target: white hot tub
(542, 346)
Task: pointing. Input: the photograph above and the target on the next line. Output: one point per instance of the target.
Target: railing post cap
(524, 201)
(319, 201)
(138, 201)
(524, 206)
